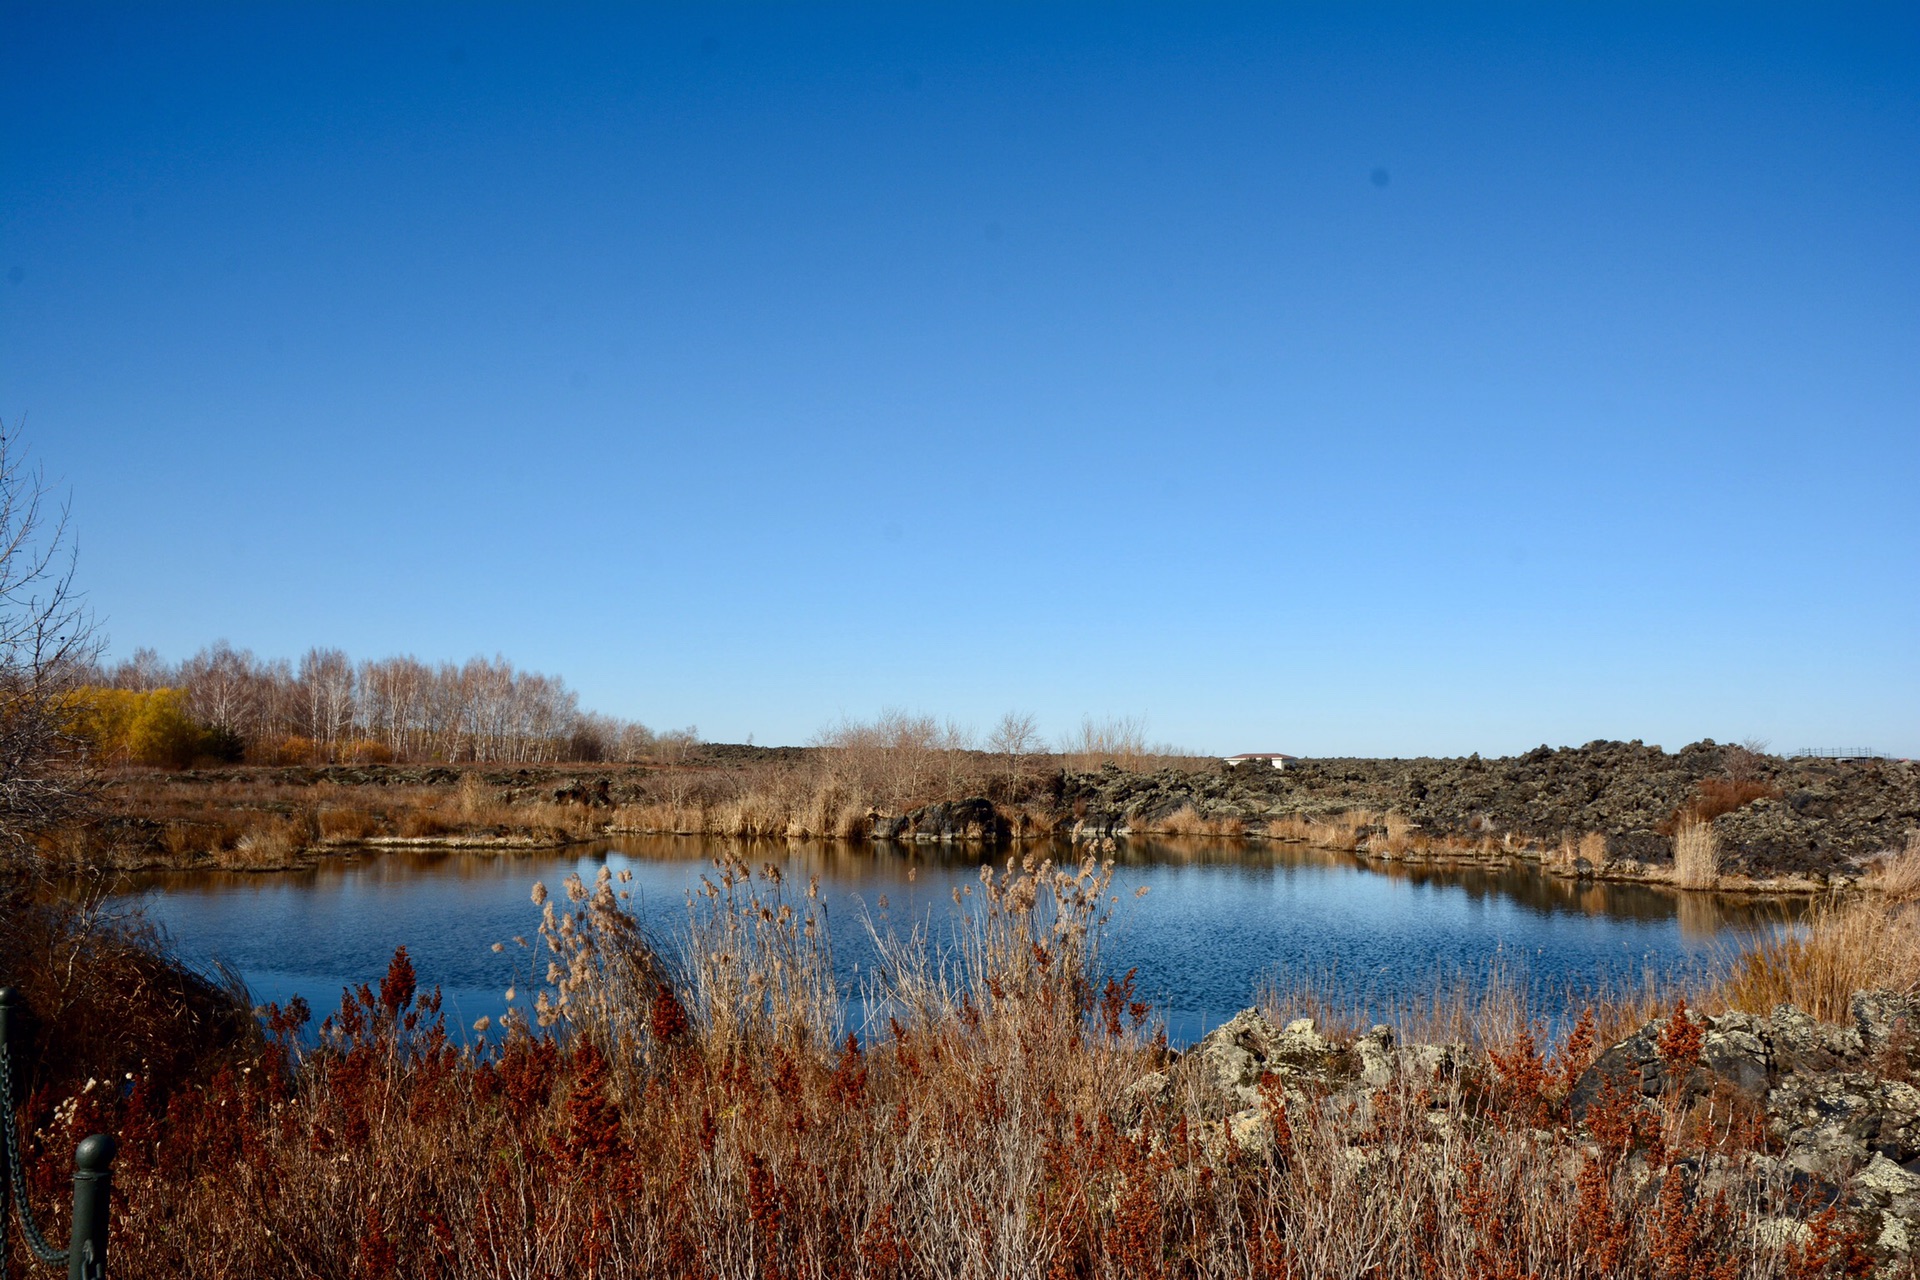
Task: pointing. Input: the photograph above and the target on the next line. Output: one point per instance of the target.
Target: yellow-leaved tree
(122, 726)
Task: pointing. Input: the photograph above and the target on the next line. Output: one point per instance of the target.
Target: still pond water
(1219, 921)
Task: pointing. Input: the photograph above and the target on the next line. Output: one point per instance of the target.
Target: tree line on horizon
(227, 705)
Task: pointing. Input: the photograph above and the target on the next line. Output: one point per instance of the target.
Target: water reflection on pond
(1220, 918)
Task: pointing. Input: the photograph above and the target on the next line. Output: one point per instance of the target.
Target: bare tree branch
(47, 641)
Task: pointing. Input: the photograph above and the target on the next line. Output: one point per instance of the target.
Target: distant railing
(1840, 753)
(86, 1257)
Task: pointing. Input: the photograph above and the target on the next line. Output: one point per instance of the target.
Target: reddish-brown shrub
(1713, 798)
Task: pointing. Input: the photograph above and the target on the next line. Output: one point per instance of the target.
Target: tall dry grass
(1591, 845)
(269, 844)
(1341, 830)
(1187, 821)
(1896, 873)
(660, 818)
(1818, 963)
(758, 966)
(900, 759)
(344, 824)
(1696, 855)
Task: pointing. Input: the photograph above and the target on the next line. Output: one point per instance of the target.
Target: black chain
(47, 1254)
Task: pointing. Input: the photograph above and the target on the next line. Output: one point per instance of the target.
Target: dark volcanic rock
(1823, 817)
(1839, 1100)
(1834, 1095)
(593, 792)
(971, 819)
(1735, 1048)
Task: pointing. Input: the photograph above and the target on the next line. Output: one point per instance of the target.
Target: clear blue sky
(1321, 378)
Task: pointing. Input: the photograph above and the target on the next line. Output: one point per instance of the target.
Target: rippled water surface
(1218, 921)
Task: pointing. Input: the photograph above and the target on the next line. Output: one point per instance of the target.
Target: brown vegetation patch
(1713, 798)
(704, 1113)
(1818, 964)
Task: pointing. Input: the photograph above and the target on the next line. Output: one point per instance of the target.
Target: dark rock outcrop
(1817, 818)
(1840, 1103)
(595, 793)
(1840, 1100)
(974, 818)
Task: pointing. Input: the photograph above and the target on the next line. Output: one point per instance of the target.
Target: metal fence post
(92, 1188)
(86, 1255)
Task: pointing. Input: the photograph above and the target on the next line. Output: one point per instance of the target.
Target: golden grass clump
(345, 823)
(416, 824)
(659, 817)
(1819, 962)
(747, 817)
(1592, 846)
(1290, 827)
(831, 810)
(1400, 836)
(1696, 855)
(471, 799)
(1896, 875)
(267, 846)
(1186, 821)
(184, 839)
(1341, 830)
(1027, 823)
(575, 821)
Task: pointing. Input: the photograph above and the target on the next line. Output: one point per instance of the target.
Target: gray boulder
(1375, 1052)
(1735, 1049)
(1802, 1043)
(1237, 1055)
(1888, 1025)
(1632, 1068)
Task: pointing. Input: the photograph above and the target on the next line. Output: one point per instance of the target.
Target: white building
(1278, 759)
